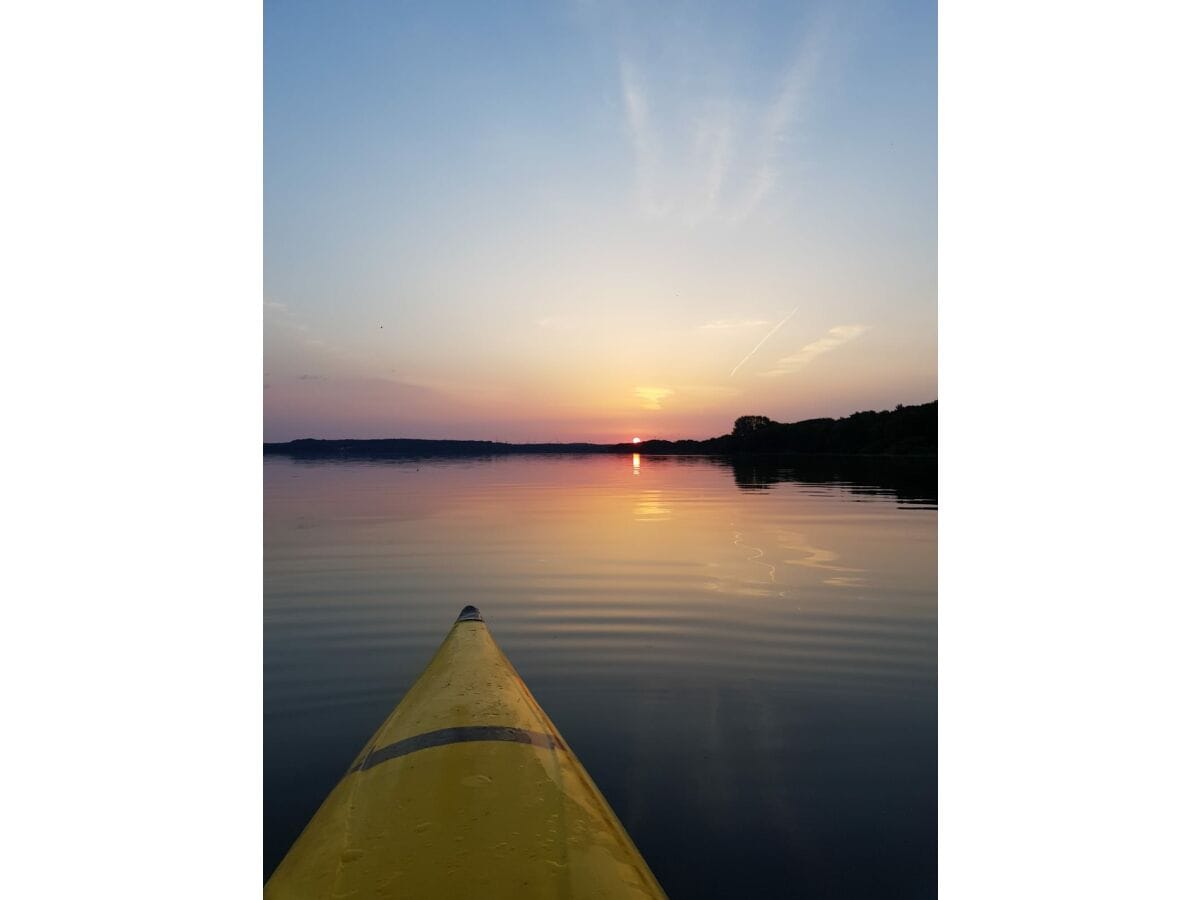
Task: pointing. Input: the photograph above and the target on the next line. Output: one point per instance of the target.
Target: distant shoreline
(907, 432)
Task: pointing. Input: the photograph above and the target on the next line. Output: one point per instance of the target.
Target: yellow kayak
(466, 790)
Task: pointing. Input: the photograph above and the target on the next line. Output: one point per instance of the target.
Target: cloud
(779, 119)
(729, 324)
(834, 338)
(714, 140)
(652, 397)
(766, 338)
(285, 329)
(707, 143)
(642, 136)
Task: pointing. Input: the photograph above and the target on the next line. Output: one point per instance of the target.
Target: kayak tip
(469, 614)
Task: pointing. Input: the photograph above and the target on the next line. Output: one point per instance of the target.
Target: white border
(131, 235)
(1068, 247)
(132, 268)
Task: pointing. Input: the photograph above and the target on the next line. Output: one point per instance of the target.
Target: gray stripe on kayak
(462, 735)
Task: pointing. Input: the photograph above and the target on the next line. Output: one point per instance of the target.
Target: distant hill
(909, 431)
(407, 447)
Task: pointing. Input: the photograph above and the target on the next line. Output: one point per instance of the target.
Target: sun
(637, 440)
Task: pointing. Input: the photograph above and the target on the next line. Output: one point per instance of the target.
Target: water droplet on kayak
(423, 827)
(476, 781)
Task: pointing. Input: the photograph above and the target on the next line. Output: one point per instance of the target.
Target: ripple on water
(749, 675)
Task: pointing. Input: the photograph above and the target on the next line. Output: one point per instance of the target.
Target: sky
(588, 221)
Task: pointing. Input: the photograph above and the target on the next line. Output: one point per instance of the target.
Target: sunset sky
(589, 221)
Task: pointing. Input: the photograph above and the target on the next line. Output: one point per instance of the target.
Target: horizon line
(596, 443)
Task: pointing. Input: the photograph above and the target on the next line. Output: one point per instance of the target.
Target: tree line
(903, 431)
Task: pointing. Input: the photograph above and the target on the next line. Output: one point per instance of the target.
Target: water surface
(743, 657)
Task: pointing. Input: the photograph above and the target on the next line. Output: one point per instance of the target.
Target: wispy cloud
(652, 397)
(283, 326)
(834, 338)
(779, 120)
(730, 324)
(703, 146)
(766, 338)
(643, 138)
(714, 139)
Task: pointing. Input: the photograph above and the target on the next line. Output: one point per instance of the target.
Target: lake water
(743, 657)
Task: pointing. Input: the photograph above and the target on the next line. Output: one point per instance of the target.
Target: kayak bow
(466, 790)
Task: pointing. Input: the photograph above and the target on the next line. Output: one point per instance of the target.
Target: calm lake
(744, 657)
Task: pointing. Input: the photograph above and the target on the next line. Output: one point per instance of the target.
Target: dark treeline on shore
(909, 431)
(904, 431)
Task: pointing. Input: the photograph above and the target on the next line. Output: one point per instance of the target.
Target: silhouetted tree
(747, 425)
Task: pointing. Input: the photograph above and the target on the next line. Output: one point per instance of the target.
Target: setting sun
(637, 440)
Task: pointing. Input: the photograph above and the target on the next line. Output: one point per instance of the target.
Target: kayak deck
(466, 790)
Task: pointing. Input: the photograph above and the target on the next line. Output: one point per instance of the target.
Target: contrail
(764, 340)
